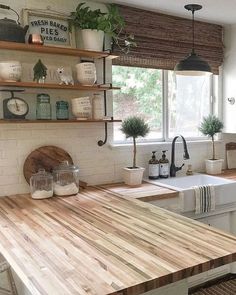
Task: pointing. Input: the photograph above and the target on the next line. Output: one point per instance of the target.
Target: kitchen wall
(97, 164)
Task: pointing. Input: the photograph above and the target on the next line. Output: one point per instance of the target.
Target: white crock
(214, 166)
(133, 177)
(93, 39)
(10, 71)
(86, 73)
(81, 107)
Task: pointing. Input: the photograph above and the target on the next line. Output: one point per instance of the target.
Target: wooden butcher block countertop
(100, 243)
(147, 192)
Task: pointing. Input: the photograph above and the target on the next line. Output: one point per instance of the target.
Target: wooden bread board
(45, 157)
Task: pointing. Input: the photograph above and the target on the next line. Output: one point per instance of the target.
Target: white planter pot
(93, 39)
(10, 71)
(86, 73)
(133, 177)
(214, 166)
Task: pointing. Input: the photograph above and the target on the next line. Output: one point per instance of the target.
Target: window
(170, 104)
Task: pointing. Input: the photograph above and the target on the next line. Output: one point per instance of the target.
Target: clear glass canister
(41, 185)
(62, 110)
(43, 109)
(66, 179)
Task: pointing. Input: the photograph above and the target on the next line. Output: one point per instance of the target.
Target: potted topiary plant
(134, 127)
(210, 126)
(94, 24)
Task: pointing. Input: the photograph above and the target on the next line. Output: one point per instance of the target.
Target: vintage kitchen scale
(14, 108)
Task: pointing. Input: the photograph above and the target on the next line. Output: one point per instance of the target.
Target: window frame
(165, 114)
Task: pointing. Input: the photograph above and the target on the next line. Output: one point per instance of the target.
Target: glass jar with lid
(62, 110)
(66, 179)
(43, 108)
(41, 185)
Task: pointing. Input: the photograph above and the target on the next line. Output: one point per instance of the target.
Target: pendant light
(193, 65)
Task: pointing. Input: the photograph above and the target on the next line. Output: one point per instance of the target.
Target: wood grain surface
(100, 243)
(147, 192)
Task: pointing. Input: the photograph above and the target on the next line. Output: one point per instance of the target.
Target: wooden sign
(54, 27)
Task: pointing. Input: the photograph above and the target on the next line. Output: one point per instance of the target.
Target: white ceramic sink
(225, 189)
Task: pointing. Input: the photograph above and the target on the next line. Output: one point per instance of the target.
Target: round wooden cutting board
(46, 157)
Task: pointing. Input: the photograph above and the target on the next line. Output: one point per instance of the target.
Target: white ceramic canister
(98, 106)
(10, 71)
(86, 73)
(81, 107)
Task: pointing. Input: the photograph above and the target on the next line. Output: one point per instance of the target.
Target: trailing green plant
(134, 127)
(210, 126)
(40, 71)
(111, 23)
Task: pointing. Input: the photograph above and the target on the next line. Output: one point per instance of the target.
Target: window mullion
(165, 105)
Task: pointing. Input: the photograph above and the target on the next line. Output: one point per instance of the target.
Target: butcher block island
(101, 243)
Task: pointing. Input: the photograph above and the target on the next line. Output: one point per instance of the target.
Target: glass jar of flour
(66, 179)
(41, 185)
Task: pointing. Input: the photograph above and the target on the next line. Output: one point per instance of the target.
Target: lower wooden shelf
(4, 121)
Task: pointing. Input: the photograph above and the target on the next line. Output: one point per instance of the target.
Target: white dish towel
(205, 198)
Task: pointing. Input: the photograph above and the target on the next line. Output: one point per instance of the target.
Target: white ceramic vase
(81, 107)
(10, 71)
(86, 73)
(214, 166)
(93, 39)
(133, 176)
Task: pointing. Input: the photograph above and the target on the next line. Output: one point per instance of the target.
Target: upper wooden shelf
(95, 87)
(25, 121)
(54, 50)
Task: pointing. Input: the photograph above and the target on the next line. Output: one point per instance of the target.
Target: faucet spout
(173, 168)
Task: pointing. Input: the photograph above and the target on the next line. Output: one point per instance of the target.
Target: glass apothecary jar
(62, 110)
(66, 179)
(41, 185)
(43, 108)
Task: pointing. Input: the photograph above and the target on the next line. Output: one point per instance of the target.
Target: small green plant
(134, 127)
(111, 23)
(210, 126)
(40, 71)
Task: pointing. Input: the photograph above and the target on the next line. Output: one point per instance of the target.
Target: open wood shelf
(57, 86)
(12, 121)
(54, 50)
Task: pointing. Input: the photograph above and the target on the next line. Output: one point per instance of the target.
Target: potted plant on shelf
(134, 127)
(40, 72)
(95, 23)
(210, 126)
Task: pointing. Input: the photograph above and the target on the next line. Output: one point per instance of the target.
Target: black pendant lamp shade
(193, 65)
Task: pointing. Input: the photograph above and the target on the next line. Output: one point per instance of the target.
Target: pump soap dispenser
(153, 167)
(164, 166)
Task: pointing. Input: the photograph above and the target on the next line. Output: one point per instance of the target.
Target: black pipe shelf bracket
(103, 142)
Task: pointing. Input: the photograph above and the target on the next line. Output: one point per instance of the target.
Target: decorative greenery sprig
(210, 126)
(40, 71)
(111, 23)
(134, 127)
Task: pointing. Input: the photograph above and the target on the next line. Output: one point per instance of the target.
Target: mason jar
(43, 108)
(62, 110)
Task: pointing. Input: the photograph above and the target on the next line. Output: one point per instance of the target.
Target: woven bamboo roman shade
(163, 40)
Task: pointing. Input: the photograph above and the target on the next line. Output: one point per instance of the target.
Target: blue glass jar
(43, 109)
(62, 110)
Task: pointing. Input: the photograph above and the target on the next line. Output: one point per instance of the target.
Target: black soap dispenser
(164, 166)
(153, 167)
